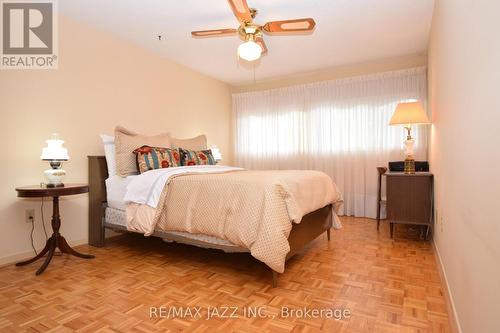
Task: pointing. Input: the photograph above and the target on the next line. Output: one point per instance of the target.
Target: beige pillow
(197, 143)
(127, 141)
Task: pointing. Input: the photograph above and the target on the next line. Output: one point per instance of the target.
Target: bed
(107, 210)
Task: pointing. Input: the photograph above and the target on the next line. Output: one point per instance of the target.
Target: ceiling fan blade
(260, 41)
(241, 10)
(305, 24)
(214, 33)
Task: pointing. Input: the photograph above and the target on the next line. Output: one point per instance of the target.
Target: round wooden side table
(56, 240)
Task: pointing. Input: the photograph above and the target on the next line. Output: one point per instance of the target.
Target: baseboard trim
(12, 259)
(450, 304)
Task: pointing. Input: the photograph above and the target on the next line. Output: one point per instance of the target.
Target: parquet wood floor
(388, 286)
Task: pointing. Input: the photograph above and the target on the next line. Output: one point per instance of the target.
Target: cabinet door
(409, 199)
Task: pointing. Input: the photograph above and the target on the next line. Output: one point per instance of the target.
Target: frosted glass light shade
(409, 113)
(249, 51)
(216, 153)
(54, 150)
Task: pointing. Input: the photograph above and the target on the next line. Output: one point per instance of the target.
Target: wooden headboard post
(98, 172)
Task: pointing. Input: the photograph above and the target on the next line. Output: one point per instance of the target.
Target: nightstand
(410, 199)
(56, 240)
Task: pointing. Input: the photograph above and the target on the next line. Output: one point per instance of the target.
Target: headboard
(98, 173)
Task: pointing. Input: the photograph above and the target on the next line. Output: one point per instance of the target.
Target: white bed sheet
(116, 187)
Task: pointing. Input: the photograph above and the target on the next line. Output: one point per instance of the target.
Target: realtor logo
(29, 36)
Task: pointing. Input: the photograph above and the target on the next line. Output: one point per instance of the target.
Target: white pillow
(109, 152)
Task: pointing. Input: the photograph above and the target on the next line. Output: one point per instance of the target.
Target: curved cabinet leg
(65, 248)
(328, 234)
(52, 247)
(38, 256)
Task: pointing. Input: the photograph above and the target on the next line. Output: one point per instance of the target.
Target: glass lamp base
(409, 160)
(409, 165)
(54, 177)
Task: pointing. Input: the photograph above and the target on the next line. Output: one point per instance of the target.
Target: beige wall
(333, 73)
(101, 82)
(464, 67)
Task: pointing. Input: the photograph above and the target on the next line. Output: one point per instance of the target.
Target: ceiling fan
(252, 33)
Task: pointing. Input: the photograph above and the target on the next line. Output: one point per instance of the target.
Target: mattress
(117, 217)
(116, 187)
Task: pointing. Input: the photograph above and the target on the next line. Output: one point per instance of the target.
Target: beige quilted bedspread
(251, 209)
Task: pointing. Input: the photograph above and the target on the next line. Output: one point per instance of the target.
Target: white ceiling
(347, 32)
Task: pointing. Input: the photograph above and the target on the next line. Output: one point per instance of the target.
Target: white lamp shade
(216, 153)
(249, 51)
(54, 151)
(409, 113)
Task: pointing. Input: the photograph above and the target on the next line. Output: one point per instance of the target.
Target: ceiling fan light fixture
(250, 29)
(249, 51)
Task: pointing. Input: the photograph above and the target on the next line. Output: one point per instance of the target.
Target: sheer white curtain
(339, 127)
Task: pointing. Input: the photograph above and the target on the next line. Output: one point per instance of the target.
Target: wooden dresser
(410, 199)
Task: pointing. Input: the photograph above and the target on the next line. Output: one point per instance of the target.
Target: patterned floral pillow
(197, 157)
(151, 158)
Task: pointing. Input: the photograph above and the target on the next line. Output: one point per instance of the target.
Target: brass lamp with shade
(408, 114)
(55, 153)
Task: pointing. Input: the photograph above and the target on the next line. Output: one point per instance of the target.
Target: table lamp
(216, 153)
(55, 154)
(406, 114)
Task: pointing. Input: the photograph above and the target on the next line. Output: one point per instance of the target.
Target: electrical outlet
(438, 219)
(29, 215)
